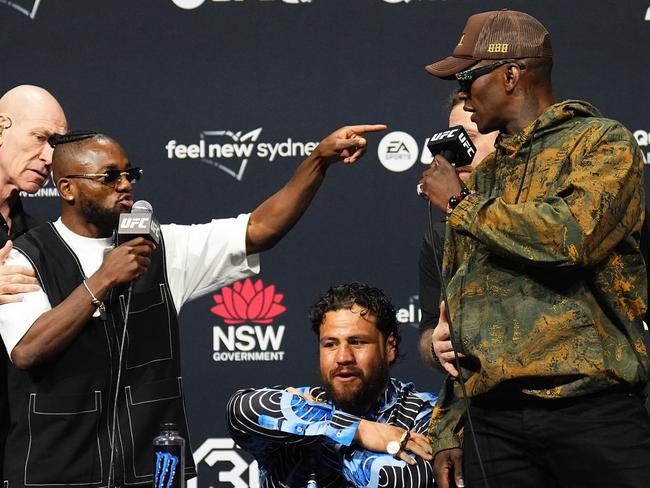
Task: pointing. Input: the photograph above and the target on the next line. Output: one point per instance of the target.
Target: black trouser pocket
(64, 444)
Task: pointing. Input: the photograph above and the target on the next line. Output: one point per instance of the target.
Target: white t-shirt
(200, 258)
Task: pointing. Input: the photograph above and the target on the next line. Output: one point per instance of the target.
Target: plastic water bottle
(169, 458)
(311, 482)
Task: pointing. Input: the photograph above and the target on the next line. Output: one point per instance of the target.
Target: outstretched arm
(278, 214)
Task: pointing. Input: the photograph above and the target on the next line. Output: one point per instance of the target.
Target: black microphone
(139, 223)
(454, 145)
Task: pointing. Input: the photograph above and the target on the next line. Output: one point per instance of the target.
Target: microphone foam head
(142, 206)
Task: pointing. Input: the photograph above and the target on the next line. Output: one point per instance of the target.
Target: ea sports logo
(188, 4)
(397, 151)
(192, 4)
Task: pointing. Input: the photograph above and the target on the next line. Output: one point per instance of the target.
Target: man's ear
(66, 190)
(512, 77)
(391, 348)
(5, 123)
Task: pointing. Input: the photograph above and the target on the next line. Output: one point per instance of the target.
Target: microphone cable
(452, 335)
(117, 388)
(142, 206)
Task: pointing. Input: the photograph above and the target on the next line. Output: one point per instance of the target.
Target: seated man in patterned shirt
(361, 427)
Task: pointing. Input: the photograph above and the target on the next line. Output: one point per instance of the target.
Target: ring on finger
(404, 439)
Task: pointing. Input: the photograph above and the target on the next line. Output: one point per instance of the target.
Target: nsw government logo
(248, 310)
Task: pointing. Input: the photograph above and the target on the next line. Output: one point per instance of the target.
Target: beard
(104, 219)
(357, 398)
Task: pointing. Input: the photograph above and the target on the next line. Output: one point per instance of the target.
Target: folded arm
(599, 203)
(265, 419)
(369, 468)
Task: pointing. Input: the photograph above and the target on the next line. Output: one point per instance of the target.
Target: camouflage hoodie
(546, 283)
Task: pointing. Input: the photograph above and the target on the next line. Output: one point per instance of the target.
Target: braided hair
(75, 136)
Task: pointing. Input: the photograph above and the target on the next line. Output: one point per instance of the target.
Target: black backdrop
(274, 75)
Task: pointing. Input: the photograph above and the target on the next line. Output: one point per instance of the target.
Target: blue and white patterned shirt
(296, 441)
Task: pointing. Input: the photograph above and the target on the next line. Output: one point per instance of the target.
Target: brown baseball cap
(501, 34)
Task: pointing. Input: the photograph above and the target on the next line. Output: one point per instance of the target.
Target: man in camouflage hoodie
(545, 281)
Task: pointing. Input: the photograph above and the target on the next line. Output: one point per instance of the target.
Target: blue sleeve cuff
(302, 417)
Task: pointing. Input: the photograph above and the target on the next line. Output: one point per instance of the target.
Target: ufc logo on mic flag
(134, 223)
(138, 225)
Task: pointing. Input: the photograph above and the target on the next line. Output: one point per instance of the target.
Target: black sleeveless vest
(62, 411)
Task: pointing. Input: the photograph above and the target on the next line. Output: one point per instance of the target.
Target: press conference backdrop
(220, 100)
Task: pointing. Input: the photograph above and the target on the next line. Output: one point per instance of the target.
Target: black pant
(600, 440)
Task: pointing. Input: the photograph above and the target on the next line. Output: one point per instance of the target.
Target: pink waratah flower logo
(248, 302)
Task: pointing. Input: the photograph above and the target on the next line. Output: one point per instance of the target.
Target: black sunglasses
(112, 176)
(467, 77)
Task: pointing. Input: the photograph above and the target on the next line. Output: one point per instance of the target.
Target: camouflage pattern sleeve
(446, 426)
(569, 214)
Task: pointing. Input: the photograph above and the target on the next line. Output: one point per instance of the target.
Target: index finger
(142, 249)
(16, 270)
(136, 241)
(453, 372)
(367, 127)
(139, 242)
(443, 310)
(440, 474)
(4, 252)
(405, 457)
(420, 446)
(457, 460)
